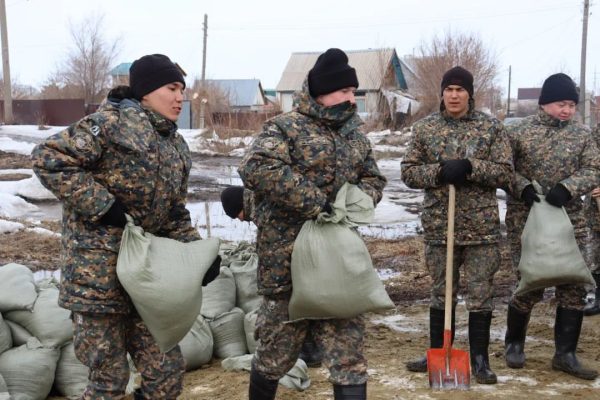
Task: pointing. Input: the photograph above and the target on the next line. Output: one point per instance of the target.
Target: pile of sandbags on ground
(35, 333)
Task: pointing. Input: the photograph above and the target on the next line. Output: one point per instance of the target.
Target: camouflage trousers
(479, 262)
(593, 251)
(567, 296)
(279, 343)
(102, 342)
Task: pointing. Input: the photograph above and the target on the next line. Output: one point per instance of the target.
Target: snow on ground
(10, 227)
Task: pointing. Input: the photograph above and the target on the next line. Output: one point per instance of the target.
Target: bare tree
(88, 62)
(444, 52)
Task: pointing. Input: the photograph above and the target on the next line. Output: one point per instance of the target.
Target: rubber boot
(514, 340)
(261, 388)
(566, 335)
(436, 337)
(479, 340)
(350, 392)
(137, 394)
(594, 307)
(310, 352)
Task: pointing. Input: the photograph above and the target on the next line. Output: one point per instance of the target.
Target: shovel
(449, 368)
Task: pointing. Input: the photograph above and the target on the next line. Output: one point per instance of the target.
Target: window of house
(361, 102)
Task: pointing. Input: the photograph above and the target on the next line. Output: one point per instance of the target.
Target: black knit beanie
(558, 87)
(151, 72)
(232, 200)
(331, 72)
(458, 76)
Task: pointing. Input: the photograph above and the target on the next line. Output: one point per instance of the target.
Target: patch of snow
(399, 323)
(12, 206)
(16, 171)
(521, 379)
(10, 227)
(43, 231)
(12, 146)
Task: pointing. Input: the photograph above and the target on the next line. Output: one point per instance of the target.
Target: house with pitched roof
(384, 81)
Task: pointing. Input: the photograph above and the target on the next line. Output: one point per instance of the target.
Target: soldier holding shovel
(466, 148)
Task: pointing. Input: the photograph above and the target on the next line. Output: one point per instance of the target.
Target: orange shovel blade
(453, 372)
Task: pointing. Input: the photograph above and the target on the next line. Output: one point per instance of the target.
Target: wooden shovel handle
(449, 258)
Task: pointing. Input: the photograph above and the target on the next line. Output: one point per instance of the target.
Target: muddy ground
(391, 339)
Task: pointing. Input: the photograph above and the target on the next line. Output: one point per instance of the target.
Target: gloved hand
(115, 216)
(455, 171)
(528, 195)
(213, 271)
(327, 208)
(558, 196)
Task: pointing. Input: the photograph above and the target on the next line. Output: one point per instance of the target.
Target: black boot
(261, 388)
(310, 352)
(137, 394)
(566, 335)
(436, 337)
(514, 340)
(350, 392)
(594, 307)
(479, 340)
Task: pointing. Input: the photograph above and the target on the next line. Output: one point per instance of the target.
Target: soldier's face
(166, 100)
(456, 100)
(563, 110)
(337, 97)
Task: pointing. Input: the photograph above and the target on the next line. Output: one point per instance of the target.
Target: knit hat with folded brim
(151, 72)
(558, 87)
(331, 72)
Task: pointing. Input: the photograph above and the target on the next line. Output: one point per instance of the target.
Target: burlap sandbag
(332, 271)
(197, 345)
(218, 297)
(6, 340)
(48, 322)
(244, 272)
(549, 252)
(249, 329)
(4, 395)
(71, 376)
(19, 334)
(29, 370)
(17, 288)
(228, 334)
(163, 277)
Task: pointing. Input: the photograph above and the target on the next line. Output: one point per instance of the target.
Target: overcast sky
(254, 39)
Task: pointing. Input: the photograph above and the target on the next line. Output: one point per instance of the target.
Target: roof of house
(241, 92)
(370, 66)
(528, 93)
(121, 69)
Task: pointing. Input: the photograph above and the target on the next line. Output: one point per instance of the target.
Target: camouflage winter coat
(122, 151)
(551, 151)
(481, 140)
(249, 208)
(591, 207)
(294, 167)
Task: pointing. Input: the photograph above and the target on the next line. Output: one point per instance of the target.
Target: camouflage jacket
(551, 151)
(294, 167)
(592, 214)
(481, 140)
(122, 151)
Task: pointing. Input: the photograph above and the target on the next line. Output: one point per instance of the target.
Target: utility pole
(203, 100)
(8, 109)
(508, 99)
(582, 102)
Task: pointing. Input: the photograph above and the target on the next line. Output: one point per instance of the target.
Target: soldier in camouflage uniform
(295, 167)
(561, 156)
(127, 157)
(593, 247)
(466, 148)
(239, 203)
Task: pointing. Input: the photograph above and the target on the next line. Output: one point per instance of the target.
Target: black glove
(528, 195)
(213, 271)
(115, 216)
(119, 93)
(558, 196)
(327, 208)
(455, 171)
